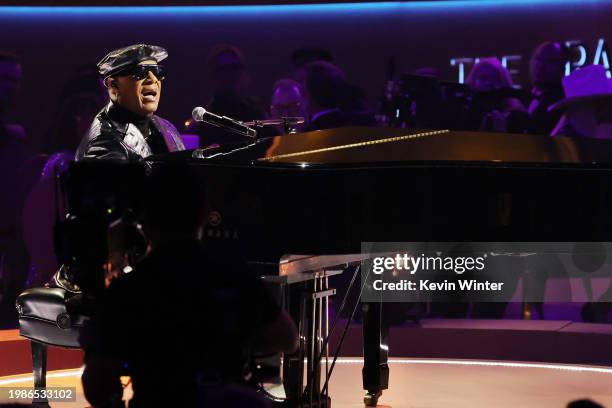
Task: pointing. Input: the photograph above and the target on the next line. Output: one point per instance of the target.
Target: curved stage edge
(435, 363)
(434, 383)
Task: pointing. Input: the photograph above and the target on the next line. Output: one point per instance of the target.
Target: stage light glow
(230, 11)
(77, 372)
(488, 363)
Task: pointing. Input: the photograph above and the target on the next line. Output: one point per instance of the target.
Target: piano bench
(45, 320)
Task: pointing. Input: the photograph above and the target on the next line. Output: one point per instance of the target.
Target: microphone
(200, 114)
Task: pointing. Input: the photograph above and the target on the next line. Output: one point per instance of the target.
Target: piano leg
(305, 303)
(293, 364)
(375, 352)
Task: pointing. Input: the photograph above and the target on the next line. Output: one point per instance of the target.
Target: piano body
(326, 192)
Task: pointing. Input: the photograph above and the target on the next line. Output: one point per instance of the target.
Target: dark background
(54, 41)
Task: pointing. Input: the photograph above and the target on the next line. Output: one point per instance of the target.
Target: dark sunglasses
(141, 72)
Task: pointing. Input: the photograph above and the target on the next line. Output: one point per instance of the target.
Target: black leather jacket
(111, 140)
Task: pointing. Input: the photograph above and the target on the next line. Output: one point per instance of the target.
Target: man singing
(127, 129)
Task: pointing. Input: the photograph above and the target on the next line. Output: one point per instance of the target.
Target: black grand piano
(323, 193)
(326, 192)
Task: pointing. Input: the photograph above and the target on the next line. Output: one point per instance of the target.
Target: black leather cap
(122, 58)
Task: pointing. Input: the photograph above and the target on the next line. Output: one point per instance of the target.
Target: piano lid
(352, 145)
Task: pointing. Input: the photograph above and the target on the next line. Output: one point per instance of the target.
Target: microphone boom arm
(288, 123)
(200, 114)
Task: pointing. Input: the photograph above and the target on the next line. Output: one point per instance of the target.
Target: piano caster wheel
(371, 398)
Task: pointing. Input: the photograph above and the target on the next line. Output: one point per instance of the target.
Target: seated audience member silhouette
(304, 56)
(185, 320)
(547, 68)
(494, 106)
(587, 105)
(288, 100)
(81, 97)
(327, 89)
(10, 84)
(332, 100)
(14, 153)
(232, 95)
(227, 70)
(355, 105)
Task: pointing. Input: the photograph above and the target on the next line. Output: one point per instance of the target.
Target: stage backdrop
(54, 41)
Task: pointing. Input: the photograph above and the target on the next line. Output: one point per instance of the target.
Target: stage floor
(435, 383)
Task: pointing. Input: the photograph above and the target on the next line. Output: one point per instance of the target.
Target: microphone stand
(287, 122)
(288, 127)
